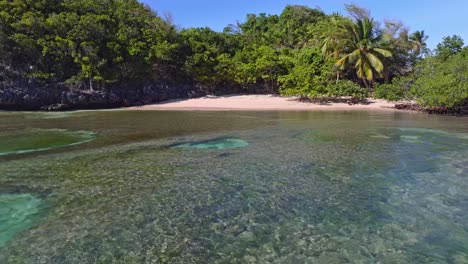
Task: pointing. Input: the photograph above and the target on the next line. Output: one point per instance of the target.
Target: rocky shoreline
(461, 111)
(21, 96)
(27, 95)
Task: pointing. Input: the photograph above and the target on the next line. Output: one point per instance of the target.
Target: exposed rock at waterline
(31, 95)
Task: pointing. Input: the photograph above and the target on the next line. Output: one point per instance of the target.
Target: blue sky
(438, 18)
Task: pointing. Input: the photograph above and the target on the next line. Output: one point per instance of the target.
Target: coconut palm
(418, 42)
(334, 38)
(364, 50)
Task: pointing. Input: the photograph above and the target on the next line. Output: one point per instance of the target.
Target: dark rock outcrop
(441, 110)
(31, 95)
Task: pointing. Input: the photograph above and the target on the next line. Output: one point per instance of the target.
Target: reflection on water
(309, 188)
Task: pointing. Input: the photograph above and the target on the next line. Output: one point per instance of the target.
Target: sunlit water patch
(18, 212)
(219, 143)
(23, 141)
(51, 115)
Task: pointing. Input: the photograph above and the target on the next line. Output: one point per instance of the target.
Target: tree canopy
(84, 40)
(302, 51)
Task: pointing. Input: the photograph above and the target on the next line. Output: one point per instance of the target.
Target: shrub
(346, 88)
(394, 91)
(307, 74)
(442, 83)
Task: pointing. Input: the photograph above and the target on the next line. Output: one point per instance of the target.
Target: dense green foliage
(302, 51)
(347, 88)
(77, 40)
(442, 81)
(449, 46)
(439, 81)
(307, 75)
(395, 91)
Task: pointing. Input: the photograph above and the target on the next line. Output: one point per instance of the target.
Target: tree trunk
(366, 83)
(91, 84)
(387, 76)
(337, 77)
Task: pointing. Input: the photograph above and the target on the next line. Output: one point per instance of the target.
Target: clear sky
(438, 18)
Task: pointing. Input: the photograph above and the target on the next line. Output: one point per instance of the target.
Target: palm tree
(396, 40)
(418, 42)
(363, 50)
(334, 39)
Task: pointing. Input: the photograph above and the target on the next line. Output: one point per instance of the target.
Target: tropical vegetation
(96, 45)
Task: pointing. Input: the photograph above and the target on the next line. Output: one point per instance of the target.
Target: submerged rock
(220, 143)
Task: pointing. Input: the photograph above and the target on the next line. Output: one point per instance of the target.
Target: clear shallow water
(307, 188)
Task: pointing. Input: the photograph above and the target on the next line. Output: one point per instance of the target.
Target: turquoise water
(242, 187)
(17, 213)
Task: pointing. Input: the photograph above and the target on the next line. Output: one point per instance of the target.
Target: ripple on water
(23, 141)
(51, 115)
(18, 212)
(220, 143)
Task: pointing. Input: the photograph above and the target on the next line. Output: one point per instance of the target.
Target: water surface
(243, 187)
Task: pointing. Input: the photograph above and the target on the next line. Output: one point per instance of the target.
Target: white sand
(261, 103)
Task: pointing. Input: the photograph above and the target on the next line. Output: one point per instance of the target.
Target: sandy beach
(262, 103)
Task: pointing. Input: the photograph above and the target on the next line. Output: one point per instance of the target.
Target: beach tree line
(302, 51)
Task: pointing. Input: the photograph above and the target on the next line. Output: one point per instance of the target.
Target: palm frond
(343, 62)
(383, 52)
(369, 73)
(375, 63)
